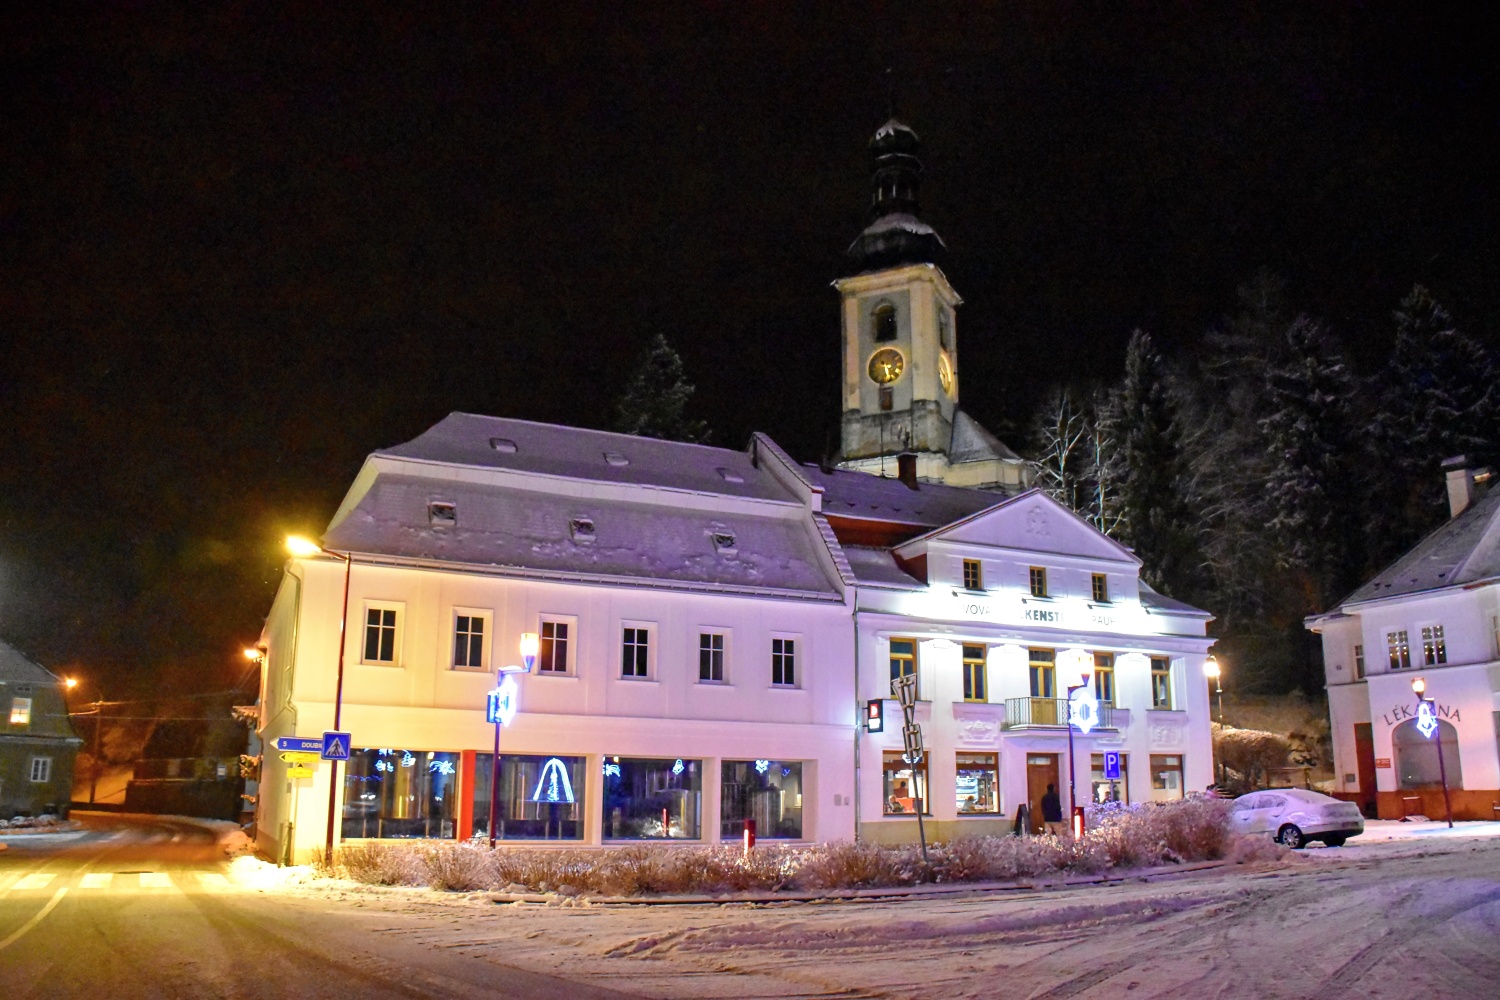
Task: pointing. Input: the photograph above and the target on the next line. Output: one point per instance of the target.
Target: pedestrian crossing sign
(335, 746)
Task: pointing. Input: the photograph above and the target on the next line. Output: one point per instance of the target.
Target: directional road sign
(335, 746)
(309, 744)
(301, 757)
(1111, 765)
(299, 771)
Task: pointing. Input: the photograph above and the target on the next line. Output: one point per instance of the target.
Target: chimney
(906, 469)
(1460, 484)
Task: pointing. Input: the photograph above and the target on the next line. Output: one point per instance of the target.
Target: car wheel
(1290, 836)
(1334, 841)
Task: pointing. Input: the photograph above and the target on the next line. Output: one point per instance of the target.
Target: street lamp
(502, 704)
(1083, 713)
(1427, 725)
(304, 548)
(97, 710)
(1212, 671)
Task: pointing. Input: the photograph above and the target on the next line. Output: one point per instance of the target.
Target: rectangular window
(1359, 663)
(381, 627)
(648, 799)
(904, 785)
(541, 798)
(1101, 588)
(401, 794)
(711, 657)
(20, 712)
(41, 770)
(635, 650)
(1161, 682)
(1106, 790)
(973, 580)
(903, 660)
(553, 646)
(977, 787)
(1166, 777)
(468, 639)
(1038, 581)
(1399, 649)
(767, 791)
(974, 662)
(784, 662)
(1104, 677)
(1043, 673)
(1434, 648)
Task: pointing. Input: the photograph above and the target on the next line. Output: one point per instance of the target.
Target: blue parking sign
(1111, 765)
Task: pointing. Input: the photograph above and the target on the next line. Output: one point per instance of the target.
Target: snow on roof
(1464, 550)
(16, 666)
(521, 445)
(530, 531)
(874, 567)
(877, 498)
(971, 442)
(1153, 601)
(891, 127)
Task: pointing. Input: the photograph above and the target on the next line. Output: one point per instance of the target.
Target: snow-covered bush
(460, 867)
(381, 864)
(847, 865)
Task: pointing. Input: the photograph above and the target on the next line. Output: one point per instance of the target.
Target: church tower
(901, 340)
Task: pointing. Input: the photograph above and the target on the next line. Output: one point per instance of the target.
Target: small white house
(1433, 614)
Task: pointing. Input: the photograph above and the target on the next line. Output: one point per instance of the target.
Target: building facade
(1433, 614)
(37, 743)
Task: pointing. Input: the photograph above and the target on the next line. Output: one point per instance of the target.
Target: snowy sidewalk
(1423, 829)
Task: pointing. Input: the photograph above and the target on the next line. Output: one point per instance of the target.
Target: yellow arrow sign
(300, 757)
(299, 771)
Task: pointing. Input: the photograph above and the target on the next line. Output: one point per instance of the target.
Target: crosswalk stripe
(96, 880)
(37, 880)
(156, 880)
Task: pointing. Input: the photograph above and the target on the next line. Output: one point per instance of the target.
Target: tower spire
(895, 233)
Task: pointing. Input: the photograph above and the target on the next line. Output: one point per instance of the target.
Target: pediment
(1031, 522)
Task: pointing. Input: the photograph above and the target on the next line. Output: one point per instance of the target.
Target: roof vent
(505, 445)
(730, 476)
(442, 515)
(582, 529)
(616, 459)
(724, 542)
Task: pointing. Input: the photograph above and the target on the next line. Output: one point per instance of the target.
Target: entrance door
(1041, 771)
(1364, 759)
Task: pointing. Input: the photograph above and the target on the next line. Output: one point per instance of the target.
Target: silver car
(1294, 816)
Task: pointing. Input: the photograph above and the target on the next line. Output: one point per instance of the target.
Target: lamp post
(97, 710)
(1084, 665)
(502, 707)
(1427, 724)
(1212, 671)
(303, 548)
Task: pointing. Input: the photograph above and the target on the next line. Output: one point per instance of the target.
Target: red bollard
(1077, 821)
(749, 836)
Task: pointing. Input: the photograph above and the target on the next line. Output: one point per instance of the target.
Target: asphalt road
(142, 907)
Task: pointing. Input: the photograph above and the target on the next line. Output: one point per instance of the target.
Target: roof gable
(1032, 522)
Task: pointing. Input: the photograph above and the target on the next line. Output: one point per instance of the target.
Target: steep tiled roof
(876, 498)
(1464, 550)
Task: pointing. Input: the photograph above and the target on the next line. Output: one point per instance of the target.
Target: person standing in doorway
(1052, 811)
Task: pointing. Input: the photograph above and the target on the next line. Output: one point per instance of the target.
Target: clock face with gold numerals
(945, 372)
(886, 365)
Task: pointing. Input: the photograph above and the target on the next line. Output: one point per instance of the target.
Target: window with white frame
(20, 711)
(471, 639)
(1399, 648)
(382, 642)
(711, 646)
(635, 650)
(555, 652)
(783, 661)
(1434, 647)
(41, 770)
(1359, 662)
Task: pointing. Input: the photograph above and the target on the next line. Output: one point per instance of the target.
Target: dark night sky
(241, 248)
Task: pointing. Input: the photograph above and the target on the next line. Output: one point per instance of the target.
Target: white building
(713, 623)
(1434, 614)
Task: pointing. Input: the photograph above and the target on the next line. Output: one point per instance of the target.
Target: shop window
(903, 660)
(20, 711)
(1166, 777)
(41, 770)
(1417, 756)
(1104, 678)
(1101, 588)
(974, 664)
(382, 634)
(1161, 682)
(1434, 648)
(767, 791)
(541, 798)
(711, 657)
(555, 645)
(652, 799)
(783, 662)
(635, 651)
(1399, 649)
(1106, 790)
(904, 785)
(400, 794)
(973, 578)
(1359, 663)
(977, 785)
(470, 639)
(1038, 581)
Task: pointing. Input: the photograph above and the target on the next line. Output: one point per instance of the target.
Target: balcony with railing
(1052, 713)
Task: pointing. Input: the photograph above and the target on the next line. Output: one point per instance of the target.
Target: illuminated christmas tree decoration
(553, 784)
(678, 768)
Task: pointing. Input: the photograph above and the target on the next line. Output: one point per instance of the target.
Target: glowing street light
(1083, 713)
(1213, 672)
(1427, 724)
(501, 705)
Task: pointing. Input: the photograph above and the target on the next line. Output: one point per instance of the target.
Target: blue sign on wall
(303, 744)
(335, 746)
(1111, 765)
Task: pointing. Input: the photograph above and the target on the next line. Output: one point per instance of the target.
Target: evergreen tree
(654, 403)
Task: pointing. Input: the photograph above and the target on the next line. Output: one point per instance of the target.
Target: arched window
(1417, 756)
(883, 322)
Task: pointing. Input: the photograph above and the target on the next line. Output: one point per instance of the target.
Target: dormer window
(1038, 581)
(730, 476)
(503, 445)
(442, 515)
(582, 529)
(883, 323)
(973, 578)
(724, 543)
(1101, 588)
(616, 459)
